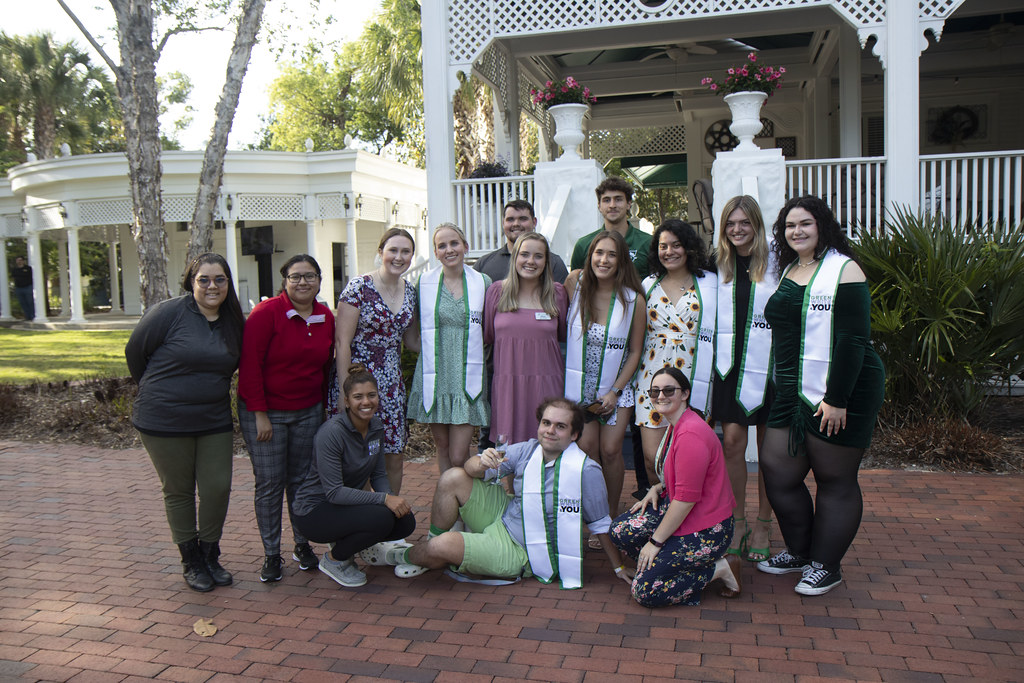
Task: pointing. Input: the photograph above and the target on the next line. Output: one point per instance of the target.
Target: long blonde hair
(725, 252)
(508, 301)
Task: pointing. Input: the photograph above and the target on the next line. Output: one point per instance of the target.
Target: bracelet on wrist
(621, 568)
(657, 544)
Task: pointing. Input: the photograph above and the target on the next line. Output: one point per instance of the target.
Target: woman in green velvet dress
(829, 388)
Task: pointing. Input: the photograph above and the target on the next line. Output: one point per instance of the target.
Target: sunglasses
(669, 392)
(205, 282)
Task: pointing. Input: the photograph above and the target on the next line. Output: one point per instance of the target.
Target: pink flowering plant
(750, 76)
(569, 91)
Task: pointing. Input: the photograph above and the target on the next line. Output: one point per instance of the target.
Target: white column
(62, 274)
(231, 247)
(820, 125)
(903, 45)
(130, 268)
(5, 290)
(502, 132)
(849, 93)
(351, 257)
(35, 259)
(77, 296)
(437, 112)
(512, 96)
(311, 240)
(115, 286)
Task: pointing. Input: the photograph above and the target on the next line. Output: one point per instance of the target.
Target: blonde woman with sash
(829, 387)
(681, 301)
(605, 340)
(742, 392)
(449, 392)
(524, 322)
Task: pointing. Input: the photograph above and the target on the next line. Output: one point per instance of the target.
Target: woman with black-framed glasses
(182, 355)
(679, 532)
(282, 381)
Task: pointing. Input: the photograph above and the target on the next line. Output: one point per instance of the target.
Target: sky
(203, 57)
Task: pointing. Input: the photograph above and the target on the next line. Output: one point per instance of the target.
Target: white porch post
(77, 298)
(437, 112)
(62, 274)
(5, 290)
(311, 239)
(35, 259)
(115, 285)
(849, 93)
(903, 45)
(130, 267)
(351, 257)
(231, 247)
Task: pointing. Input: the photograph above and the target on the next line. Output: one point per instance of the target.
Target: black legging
(353, 527)
(824, 529)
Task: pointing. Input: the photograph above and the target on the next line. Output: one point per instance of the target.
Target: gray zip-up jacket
(183, 368)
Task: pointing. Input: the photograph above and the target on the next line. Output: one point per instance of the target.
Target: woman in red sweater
(679, 532)
(287, 348)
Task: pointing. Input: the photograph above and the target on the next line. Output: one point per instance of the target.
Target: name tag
(541, 315)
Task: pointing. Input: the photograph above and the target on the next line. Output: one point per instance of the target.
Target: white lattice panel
(611, 144)
(11, 225)
(270, 207)
(938, 9)
(178, 208)
(329, 206)
(374, 209)
(472, 24)
(409, 215)
(48, 218)
(105, 212)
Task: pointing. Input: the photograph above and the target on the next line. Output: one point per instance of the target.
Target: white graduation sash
(616, 338)
(564, 550)
(473, 289)
(816, 338)
(756, 362)
(703, 364)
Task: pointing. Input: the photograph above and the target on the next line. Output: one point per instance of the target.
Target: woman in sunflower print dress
(681, 305)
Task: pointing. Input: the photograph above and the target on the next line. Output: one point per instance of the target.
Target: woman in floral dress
(681, 298)
(374, 315)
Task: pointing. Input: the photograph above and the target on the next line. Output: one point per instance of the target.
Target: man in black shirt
(22, 276)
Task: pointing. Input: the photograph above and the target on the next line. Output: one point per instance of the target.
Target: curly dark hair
(830, 233)
(696, 252)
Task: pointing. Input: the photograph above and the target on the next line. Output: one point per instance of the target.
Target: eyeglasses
(205, 282)
(296, 278)
(669, 392)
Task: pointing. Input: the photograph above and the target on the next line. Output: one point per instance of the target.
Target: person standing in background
(21, 274)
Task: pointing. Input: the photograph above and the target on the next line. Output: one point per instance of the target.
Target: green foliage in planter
(947, 312)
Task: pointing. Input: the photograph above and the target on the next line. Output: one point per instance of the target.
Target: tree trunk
(201, 237)
(45, 131)
(136, 87)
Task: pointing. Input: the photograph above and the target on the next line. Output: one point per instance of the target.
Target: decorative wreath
(954, 125)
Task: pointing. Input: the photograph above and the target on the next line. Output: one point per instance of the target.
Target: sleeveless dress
(452, 406)
(671, 340)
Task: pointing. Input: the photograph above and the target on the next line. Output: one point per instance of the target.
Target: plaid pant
(279, 465)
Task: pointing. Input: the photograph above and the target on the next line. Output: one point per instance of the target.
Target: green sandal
(740, 550)
(760, 554)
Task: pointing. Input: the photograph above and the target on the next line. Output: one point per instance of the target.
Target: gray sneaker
(344, 572)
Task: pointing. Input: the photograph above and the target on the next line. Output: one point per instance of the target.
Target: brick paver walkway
(91, 589)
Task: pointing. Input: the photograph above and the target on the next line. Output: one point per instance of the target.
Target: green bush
(947, 312)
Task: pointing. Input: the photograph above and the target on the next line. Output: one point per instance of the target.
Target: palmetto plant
(947, 312)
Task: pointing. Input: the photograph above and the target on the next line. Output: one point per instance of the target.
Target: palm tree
(60, 95)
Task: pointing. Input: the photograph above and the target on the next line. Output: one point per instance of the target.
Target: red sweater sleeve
(258, 332)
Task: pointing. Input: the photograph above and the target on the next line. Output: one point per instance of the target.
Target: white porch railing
(974, 188)
(852, 187)
(478, 203)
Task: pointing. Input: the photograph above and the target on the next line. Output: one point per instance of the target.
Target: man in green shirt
(614, 200)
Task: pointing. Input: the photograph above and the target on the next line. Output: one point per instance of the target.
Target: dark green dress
(856, 376)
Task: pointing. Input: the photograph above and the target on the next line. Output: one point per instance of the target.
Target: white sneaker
(344, 572)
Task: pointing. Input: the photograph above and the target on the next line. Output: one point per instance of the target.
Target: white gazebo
(886, 102)
(333, 205)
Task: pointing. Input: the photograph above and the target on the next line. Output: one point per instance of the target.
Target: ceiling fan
(679, 52)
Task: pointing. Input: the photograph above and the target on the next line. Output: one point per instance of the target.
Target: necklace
(391, 294)
(804, 265)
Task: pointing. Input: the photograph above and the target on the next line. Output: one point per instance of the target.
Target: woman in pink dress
(524, 322)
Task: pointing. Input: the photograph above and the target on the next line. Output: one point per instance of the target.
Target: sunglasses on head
(669, 392)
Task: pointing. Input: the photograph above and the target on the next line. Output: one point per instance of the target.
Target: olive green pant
(187, 464)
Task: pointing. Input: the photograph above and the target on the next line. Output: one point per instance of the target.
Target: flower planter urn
(746, 117)
(569, 133)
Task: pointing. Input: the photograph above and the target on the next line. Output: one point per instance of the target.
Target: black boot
(211, 553)
(197, 576)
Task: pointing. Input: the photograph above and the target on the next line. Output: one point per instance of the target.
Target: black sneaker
(271, 569)
(305, 556)
(818, 580)
(783, 563)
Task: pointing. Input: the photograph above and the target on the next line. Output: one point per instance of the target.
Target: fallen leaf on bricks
(204, 627)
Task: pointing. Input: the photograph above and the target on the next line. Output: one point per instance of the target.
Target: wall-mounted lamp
(423, 217)
(228, 203)
(63, 211)
(24, 218)
(359, 202)
(394, 210)
(344, 201)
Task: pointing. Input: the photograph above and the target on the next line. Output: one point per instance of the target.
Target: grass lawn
(28, 356)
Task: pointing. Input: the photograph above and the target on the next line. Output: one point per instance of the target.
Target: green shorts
(490, 551)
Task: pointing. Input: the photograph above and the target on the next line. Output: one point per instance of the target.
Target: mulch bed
(96, 413)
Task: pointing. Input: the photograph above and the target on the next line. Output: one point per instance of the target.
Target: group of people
(657, 338)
